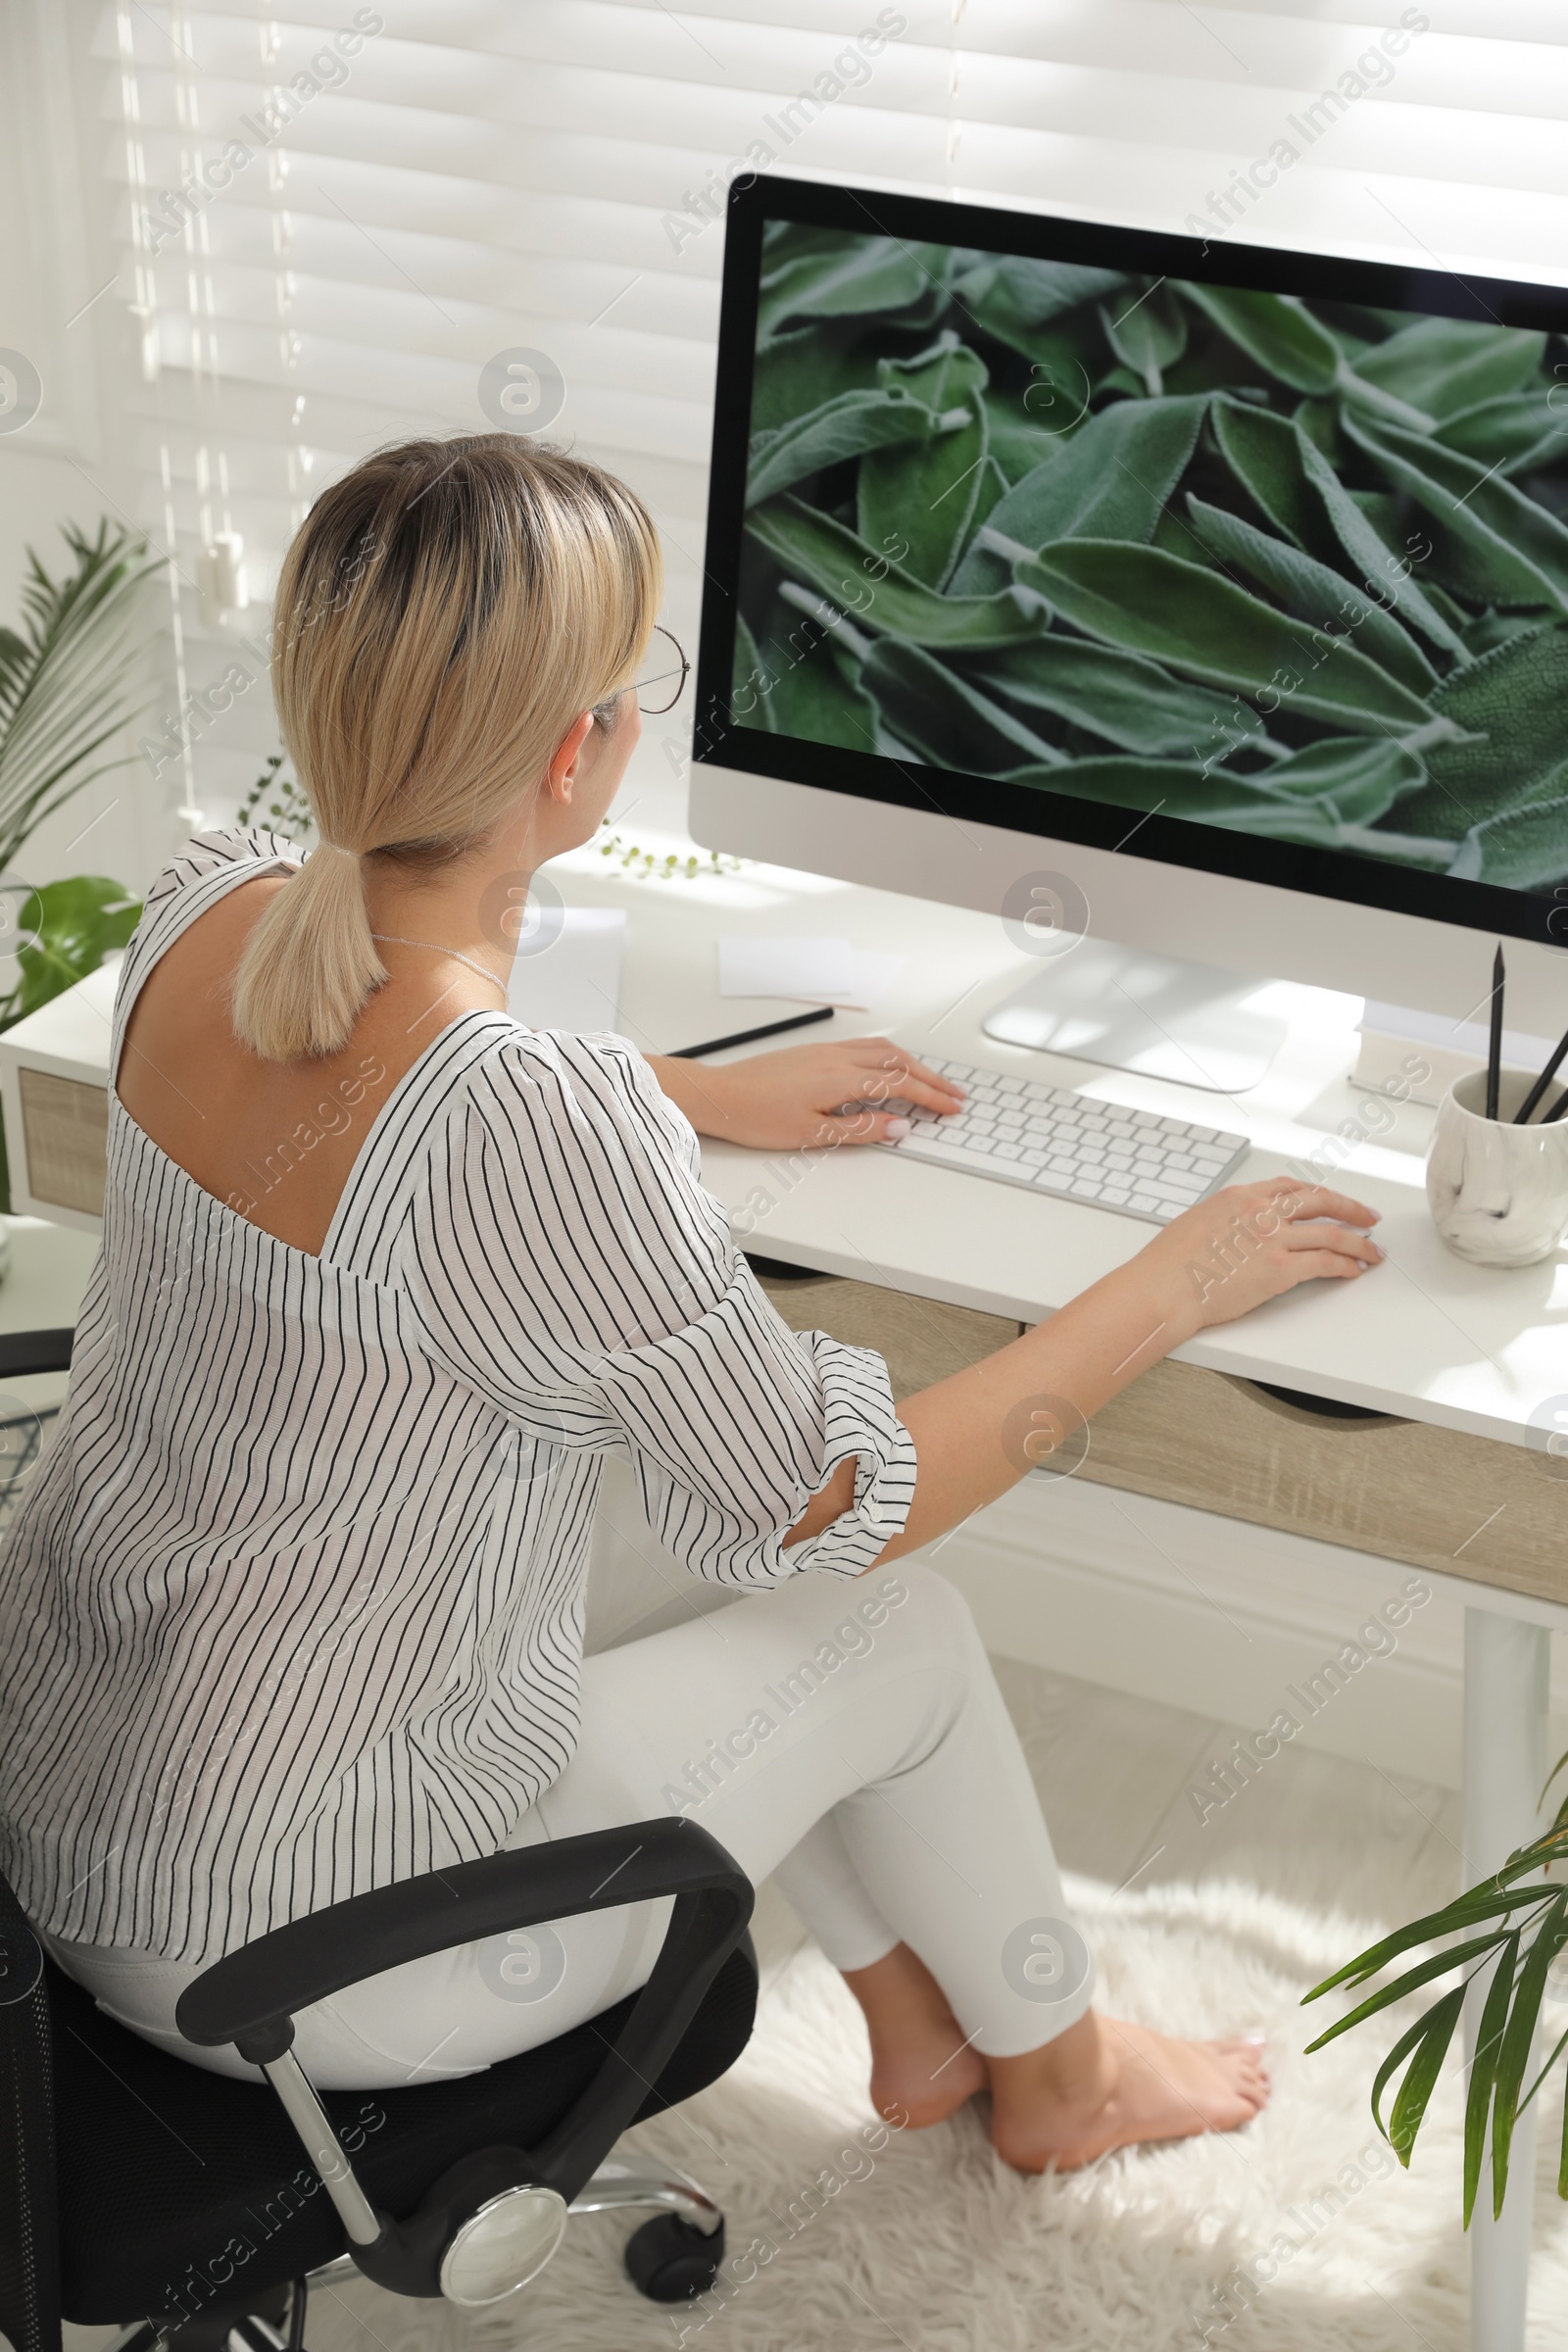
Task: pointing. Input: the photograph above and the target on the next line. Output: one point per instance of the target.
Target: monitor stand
(1157, 1015)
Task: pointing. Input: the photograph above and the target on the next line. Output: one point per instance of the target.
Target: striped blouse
(294, 1606)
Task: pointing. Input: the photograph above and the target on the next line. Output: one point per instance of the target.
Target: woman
(295, 1605)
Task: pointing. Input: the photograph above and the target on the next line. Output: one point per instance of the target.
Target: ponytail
(309, 963)
(446, 613)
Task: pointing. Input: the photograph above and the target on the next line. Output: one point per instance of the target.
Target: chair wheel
(670, 2261)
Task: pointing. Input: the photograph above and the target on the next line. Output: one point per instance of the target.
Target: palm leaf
(1518, 2038)
(1395, 2060)
(67, 681)
(1421, 2076)
(1484, 2068)
(1510, 2015)
(1493, 1897)
(1557, 2051)
(1437, 1965)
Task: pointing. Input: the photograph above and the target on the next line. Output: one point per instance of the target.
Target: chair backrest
(29, 2235)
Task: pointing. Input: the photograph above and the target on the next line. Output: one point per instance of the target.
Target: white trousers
(846, 1738)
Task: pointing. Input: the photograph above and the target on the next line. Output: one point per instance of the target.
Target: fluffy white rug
(931, 2243)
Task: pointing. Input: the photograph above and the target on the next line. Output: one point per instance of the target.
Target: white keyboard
(1020, 1131)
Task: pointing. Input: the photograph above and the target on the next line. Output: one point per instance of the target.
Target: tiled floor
(1115, 1774)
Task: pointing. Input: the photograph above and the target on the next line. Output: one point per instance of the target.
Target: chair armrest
(25, 1351)
(250, 1998)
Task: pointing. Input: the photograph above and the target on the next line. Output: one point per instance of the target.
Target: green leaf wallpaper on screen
(1295, 568)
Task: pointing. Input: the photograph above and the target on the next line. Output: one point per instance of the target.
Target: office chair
(195, 2210)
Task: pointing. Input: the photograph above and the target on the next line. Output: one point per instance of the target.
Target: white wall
(1221, 1618)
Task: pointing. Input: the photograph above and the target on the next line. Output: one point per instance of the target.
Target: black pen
(1495, 1048)
(1522, 1114)
(749, 1037)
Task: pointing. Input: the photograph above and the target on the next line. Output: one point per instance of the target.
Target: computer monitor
(1187, 601)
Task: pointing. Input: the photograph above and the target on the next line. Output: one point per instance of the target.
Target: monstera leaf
(67, 930)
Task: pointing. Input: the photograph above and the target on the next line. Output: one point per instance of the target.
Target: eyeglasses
(662, 690)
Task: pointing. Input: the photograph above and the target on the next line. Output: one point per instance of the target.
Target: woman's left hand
(806, 1095)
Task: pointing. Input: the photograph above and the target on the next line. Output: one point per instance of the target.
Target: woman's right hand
(976, 1433)
(1249, 1242)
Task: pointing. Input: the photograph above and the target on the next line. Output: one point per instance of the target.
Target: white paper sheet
(814, 970)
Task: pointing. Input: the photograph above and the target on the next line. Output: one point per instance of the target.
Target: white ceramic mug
(1499, 1193)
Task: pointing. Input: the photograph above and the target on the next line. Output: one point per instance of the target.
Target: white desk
(1427, 1336)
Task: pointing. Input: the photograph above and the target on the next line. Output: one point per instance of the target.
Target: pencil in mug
(1495, 1043)
(1522, 1115)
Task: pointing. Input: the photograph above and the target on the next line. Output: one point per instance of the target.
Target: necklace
(392, 940)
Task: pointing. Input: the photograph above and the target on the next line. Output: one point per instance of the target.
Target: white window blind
(395, 195)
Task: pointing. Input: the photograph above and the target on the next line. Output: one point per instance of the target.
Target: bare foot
(921, 2067)
(1106, 2084)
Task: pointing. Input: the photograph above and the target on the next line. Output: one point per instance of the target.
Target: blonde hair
(446, 613)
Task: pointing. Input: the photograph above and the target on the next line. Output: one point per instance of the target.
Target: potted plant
(1516, 1922)
(68, 686)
